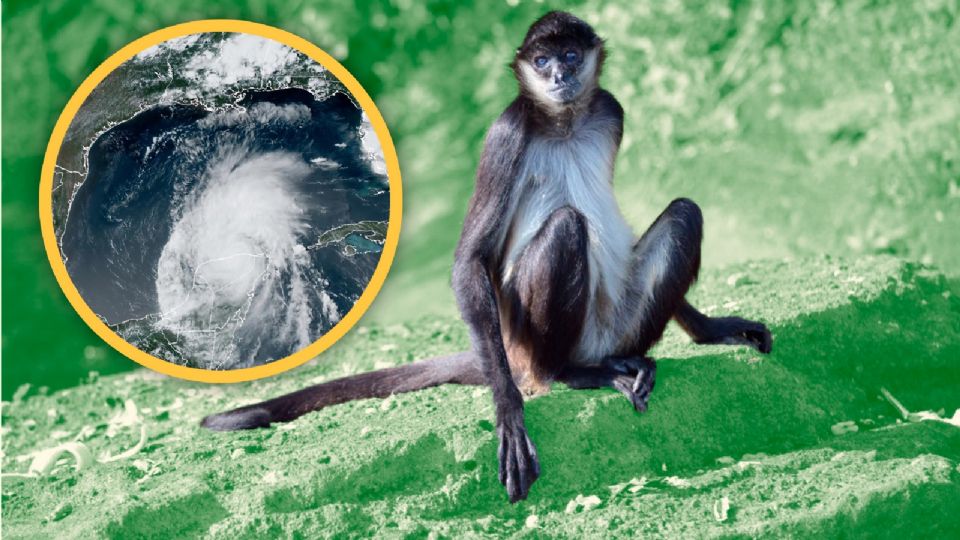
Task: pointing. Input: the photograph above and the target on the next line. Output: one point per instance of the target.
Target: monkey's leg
(547, 298)
(666, 263)
(633, 376)
(723, 330)
(666, 260)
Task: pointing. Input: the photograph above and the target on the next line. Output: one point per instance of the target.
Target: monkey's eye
(570, 57)
(540, 61)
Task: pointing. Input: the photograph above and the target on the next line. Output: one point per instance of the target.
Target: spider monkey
(549, 277)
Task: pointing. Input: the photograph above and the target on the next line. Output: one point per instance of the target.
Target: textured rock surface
(734, 443)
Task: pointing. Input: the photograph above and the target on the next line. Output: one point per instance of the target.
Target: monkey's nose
(563, 78)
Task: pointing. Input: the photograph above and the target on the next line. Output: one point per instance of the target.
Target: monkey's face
(559, 60)
(557, 75)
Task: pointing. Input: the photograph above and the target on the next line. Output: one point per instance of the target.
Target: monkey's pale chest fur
(578, 172)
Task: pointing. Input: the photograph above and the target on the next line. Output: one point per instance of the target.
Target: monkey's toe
(638, 386)
(766, 341)
(756, 335)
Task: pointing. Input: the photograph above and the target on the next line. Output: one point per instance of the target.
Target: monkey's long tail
(459, 368)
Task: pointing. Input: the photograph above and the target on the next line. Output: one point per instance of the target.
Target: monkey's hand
(634, 377)
(518, 457)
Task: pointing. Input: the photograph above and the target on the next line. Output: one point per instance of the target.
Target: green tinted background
(800, 128)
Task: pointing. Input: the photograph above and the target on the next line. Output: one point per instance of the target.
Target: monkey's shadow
(826, 368)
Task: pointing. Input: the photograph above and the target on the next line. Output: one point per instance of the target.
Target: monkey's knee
(686, 207)
(559, 247)
(566, 227)
(678, 229)
(686, 220)
(557, 255)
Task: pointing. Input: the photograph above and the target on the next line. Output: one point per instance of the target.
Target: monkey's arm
(475, 259)
(722, 330)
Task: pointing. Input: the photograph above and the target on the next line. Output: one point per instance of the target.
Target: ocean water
(195, 232)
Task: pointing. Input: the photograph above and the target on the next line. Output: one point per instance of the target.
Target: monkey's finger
(639, 403)
(643, 401)
(514, 489)
(524, 471)
(649, 381)
(639, 380)
(533, 457)
(502, 461)
(638, 389)
(652, 375)
(625, 386)
(529, 452)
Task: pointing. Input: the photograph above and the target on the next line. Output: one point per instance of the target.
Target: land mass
(374, 232)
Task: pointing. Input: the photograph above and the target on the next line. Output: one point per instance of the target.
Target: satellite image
(220, 201)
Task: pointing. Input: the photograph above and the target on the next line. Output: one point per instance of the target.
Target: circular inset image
(220, 201)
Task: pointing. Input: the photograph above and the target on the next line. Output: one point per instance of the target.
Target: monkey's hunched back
(550, 280)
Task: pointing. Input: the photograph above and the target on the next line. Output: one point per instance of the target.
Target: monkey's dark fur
(550, 280)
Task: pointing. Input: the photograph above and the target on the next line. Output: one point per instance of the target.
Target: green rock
(425, 462)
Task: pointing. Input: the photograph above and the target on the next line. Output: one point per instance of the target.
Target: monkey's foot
(519, 466)
(634, 377)
(737, 331)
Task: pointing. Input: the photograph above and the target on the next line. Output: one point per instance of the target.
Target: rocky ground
(844, 430)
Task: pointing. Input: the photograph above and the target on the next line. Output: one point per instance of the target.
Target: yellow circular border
(46, 201)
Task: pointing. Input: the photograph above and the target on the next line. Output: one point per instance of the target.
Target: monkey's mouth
(565, 92)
